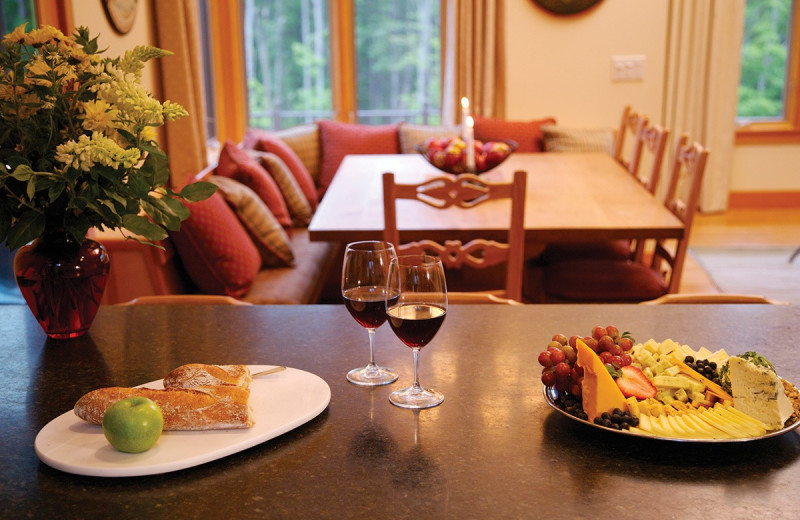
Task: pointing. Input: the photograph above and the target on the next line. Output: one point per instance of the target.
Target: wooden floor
(738, 228)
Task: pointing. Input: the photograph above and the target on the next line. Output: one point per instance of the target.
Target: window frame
(787, 130)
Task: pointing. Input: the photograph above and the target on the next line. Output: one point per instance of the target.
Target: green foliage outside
(16, 13)
(764, 58)
(287, 45)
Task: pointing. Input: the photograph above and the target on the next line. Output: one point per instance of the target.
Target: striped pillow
(266, 232)
(561, 139)
(411, 135)
(304, 140)
(299, 207)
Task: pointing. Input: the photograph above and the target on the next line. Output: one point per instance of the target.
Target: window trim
(788, 130)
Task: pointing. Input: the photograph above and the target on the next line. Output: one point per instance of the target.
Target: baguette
(198, 408)
(197, 374)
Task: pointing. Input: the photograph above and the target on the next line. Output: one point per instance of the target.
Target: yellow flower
(37, 68)
(42, 35)
(99, 115)
(17, 35)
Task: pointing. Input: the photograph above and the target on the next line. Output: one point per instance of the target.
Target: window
(769, 94)
(14, 14)
(356, 60)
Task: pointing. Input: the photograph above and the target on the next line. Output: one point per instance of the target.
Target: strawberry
(633, 383)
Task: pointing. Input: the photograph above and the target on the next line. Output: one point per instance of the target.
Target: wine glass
(416, 303)
(364, 274)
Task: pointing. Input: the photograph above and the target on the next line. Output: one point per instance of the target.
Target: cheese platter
(665, 390)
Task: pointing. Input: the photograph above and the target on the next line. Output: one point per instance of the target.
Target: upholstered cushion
(299, 207)
(605, 250)
(562, 139)
(411, 135)
(527, 134)
(340, 139)
(602, 281)
(304, 142)
(238, 165)
(267, 142)
(299, 284)
(267, 234)
(215, 249)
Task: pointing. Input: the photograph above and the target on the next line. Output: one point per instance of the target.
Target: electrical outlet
(627, 68)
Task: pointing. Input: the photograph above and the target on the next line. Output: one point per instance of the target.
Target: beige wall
(562, 67)
(91, 14)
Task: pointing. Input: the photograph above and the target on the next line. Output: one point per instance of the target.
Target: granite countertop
(493, 449)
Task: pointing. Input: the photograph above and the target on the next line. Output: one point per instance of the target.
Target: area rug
(763, 271)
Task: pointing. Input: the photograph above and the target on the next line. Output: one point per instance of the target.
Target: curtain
(704, 41)
(473, 58)
(184, 140)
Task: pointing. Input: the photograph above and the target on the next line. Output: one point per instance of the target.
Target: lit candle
(464, 115)
(470, 140)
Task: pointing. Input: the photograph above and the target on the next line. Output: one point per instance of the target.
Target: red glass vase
(62, 281)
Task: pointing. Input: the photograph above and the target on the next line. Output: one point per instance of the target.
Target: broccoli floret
(753, 357)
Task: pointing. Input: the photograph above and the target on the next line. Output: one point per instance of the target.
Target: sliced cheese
(759, 393)
(600, 392)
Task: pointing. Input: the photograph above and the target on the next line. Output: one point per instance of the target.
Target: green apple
(133, 425)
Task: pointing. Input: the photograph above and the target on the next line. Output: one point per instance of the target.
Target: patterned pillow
(215, 249)
(267, 142)
(340, 139)
(527, 134)
(238, 165)
(304, 141)
(267, 234)
(561, 139)
(299, 207)
(411, 135)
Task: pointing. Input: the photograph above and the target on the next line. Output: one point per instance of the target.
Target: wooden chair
(185, 299)
(465, 191)
(636, 281)
(632, 122)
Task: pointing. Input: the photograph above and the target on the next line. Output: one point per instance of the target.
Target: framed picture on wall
(121, 14)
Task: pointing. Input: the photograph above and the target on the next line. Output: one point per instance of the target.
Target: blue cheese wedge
(759, 393)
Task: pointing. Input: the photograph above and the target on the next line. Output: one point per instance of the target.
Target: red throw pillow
(527, 134)
(216, 250)
(238, 165)
(264, 141)
(339, 139)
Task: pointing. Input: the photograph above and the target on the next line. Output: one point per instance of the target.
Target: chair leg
(794, 255)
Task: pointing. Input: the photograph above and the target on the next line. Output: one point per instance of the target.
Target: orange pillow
(339, 139)
(216, 250)
(238, 165)
(264, 141)
(527, 134)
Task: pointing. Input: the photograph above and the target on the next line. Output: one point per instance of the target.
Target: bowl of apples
(449, 154)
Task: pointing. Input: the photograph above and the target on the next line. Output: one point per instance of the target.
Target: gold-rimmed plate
(551, 394)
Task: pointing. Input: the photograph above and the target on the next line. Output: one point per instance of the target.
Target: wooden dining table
(573, 197)
(493, 449)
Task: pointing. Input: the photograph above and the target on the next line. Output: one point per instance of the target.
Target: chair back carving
(652, 138)
(686, 176)
(464, 191)
(632, 122)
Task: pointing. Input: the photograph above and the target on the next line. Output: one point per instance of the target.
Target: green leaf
(140, 225)
(198, 191)
(162, 213)
(28, 227)
(138, 184)
(23, 173)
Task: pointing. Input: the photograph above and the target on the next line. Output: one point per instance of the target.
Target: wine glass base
(372, 376)
(416, 397)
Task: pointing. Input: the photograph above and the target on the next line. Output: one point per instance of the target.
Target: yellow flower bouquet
(77, 141)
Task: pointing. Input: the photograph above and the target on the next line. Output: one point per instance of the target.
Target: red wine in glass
(415, 325)
(367, 305)
(364, 274)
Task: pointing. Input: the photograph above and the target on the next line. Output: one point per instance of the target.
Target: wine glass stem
(415, 351)
(371, 346)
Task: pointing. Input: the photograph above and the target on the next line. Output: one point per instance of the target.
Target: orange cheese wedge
(600, 392)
